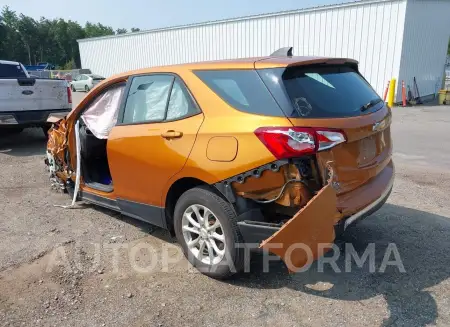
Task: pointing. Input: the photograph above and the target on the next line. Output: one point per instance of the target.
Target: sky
(149, 14)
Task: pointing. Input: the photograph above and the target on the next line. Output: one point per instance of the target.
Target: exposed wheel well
(175, 191)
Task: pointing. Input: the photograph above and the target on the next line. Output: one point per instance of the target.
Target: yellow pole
(391, 93)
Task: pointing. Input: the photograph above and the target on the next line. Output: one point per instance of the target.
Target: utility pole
(27, 45)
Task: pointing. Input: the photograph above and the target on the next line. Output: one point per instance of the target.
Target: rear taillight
(327, 139)
(69, 95)
(288, 142)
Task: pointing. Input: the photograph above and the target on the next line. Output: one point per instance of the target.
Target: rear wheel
(206, 229)
(73, 88)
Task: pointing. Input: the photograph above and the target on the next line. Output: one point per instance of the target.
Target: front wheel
(206, 229)
(73, 88)
(86, 88)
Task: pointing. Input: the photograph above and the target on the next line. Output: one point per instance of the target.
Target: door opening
(96, 122)
(94, 160)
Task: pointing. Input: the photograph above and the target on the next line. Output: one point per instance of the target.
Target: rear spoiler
(284, 58)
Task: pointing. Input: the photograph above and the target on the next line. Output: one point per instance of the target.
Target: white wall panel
(427, 30)
(369, 31)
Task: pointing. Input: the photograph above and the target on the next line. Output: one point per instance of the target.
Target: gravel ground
(58, 266)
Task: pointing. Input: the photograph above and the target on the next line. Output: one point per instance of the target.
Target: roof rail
(282, 52)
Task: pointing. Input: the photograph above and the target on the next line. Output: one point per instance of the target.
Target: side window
(241, 89)
(147, 99)
(180, 103)
(232, 90)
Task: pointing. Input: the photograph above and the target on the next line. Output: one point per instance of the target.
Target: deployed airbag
(101, 116)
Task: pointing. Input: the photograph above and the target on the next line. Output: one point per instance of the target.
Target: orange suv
(276, 151)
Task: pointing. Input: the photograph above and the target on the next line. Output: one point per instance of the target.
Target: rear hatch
(343, 113)
(329, 112)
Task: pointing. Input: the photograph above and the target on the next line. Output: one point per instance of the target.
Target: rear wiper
(370, 104)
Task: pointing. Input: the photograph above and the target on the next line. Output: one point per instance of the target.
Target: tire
(73, 88)
(233, 259)
(86, 88)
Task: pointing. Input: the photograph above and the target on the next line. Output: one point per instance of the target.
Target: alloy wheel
(203, 234)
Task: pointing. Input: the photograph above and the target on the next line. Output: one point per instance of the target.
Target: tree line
(30, 41)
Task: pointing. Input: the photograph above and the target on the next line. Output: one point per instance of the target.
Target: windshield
(11, 71)
(321, 91)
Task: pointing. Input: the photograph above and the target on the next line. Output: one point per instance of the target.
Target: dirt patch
(38, 287)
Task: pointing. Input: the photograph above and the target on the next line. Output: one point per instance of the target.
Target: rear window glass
(11, 71)
(241, 89)
(321, 91)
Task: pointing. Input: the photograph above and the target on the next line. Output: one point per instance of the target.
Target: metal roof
(236, 19)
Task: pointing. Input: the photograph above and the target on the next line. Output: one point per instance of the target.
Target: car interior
(95, 125)
(94, 160)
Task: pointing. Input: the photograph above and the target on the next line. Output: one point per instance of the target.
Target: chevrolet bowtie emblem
(379, 126)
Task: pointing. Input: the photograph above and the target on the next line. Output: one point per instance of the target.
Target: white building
(399, 39)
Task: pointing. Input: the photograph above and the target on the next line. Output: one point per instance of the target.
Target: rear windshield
(11, 71)
(241, 89)
(321, 91)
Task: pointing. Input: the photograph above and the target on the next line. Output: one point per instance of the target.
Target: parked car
(63, 75)
(27, 101)
(85, 82)
(68, 77)
(276, 151)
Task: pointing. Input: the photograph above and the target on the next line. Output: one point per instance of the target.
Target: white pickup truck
(26, 101)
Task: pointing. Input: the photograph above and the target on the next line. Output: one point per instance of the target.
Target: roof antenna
(282, 52)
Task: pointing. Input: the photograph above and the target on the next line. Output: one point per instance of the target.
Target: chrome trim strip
(383, 197)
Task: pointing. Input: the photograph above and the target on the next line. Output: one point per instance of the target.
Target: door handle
(171, 134)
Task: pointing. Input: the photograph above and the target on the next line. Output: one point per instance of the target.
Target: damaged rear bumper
(308, 232)
(312, 230)
(256, 232)
(371, 208)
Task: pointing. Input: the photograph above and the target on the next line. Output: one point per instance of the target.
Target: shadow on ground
(422, 240)
(29, 142)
